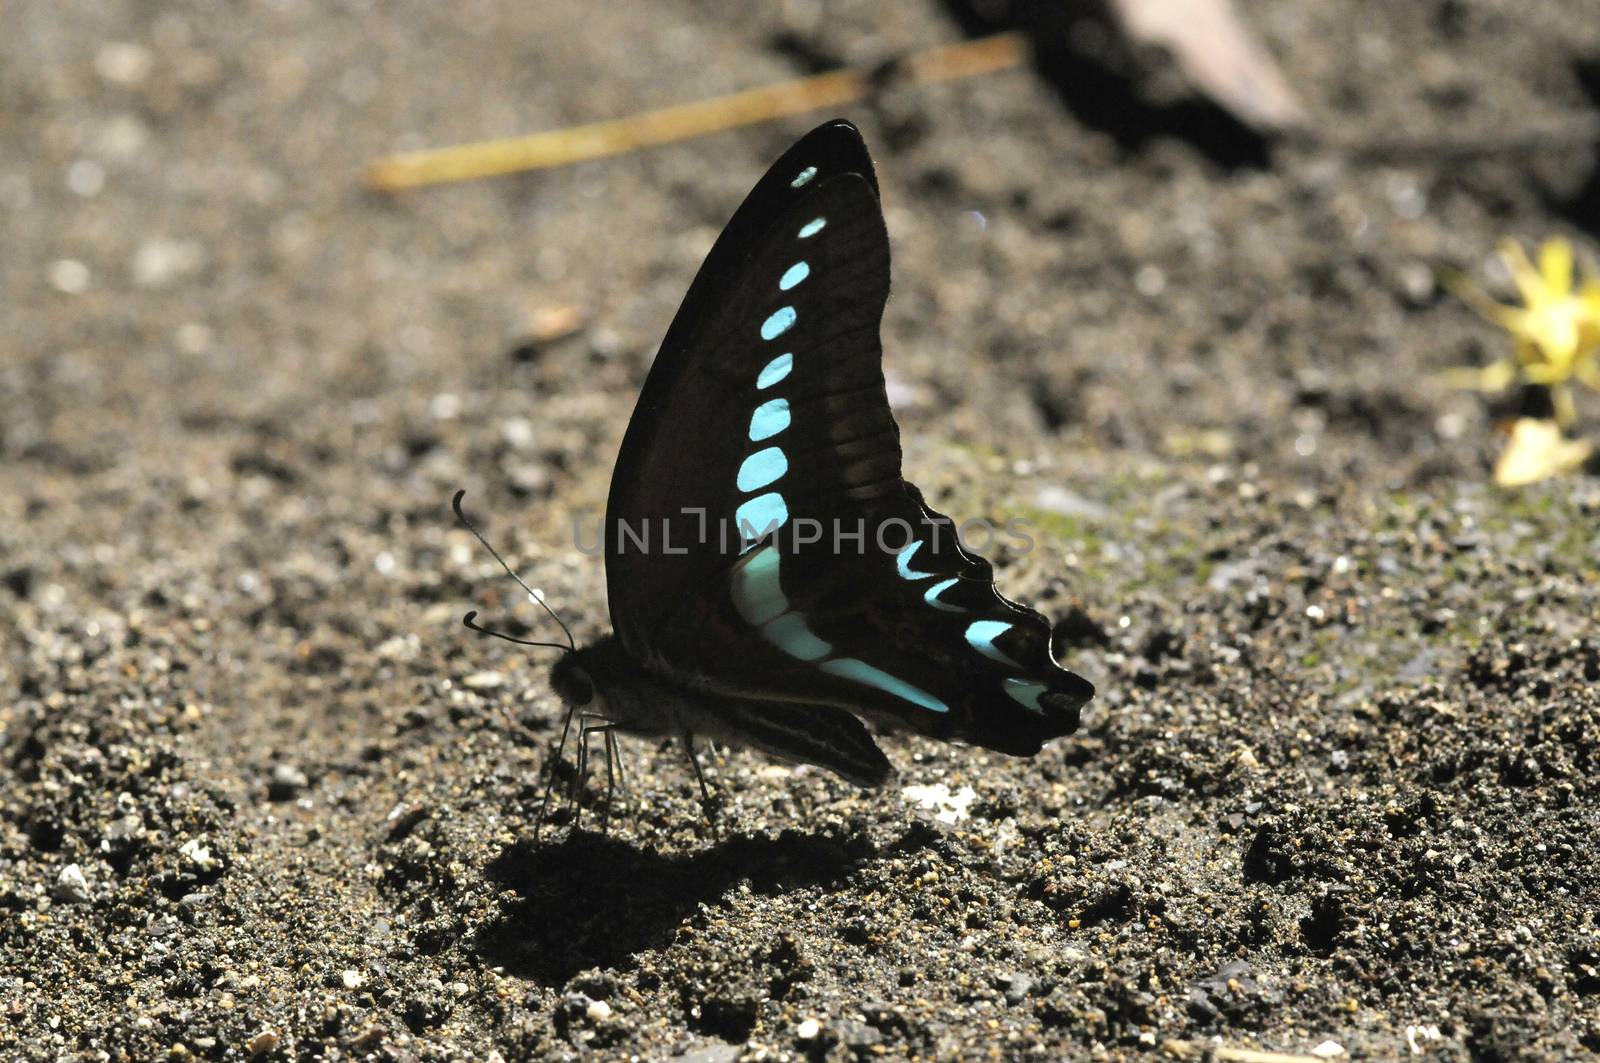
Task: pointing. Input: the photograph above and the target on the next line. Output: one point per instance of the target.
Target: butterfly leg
(619, 781)
(605, 729)
(585, 728)
(634, 806)
(706, 803)
(550, 773)
(612, 760)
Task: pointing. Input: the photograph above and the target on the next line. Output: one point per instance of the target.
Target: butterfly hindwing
(915, 636)
(796, 565)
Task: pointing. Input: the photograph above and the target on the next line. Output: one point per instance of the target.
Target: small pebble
(69, 276)
(483, 681)
(198, 854)
(71, 884)
(158, 263)
(517, 432)
(123, 62)
(1150, 281)
(1057, 499)
(351, 978)
(1328, 1050)
(952, 807)
(1017, 987)
(808, 1030)
(858, 1035)
(86, 178)
(597, 1011)
(713, 1054)
(262, 1043)
(287, 780)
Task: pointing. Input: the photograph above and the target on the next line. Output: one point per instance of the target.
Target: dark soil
(262, 795)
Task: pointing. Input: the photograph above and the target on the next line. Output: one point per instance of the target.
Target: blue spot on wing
(770, 418)
(931, 595)
(791, 635)
(781, 321)
(803, 176)
(761, 516)
(902, 561)
(774, 371)
(812, 228)
(762, 468)
(756, 591)
(862, 672)
(1025, 692)
(758, 595)
(794, 275)
(981, 635)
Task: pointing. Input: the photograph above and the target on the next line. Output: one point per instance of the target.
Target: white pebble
(517, 431)
(1328, 1050)
(952, 807)
(121, 136)
(598, 1011)
(71, 884)
(1150, 281)
(351, 978)
(157, 263)
(85, 178)
(1417, 1037)
(193, 337)
(483, 681)
(808, 1030)
(198, 854)
(69, 276)
(123, 62)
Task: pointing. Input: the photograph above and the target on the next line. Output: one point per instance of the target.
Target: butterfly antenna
(468, 621)
(455, 504)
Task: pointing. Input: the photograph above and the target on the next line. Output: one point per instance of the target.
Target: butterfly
(773, 580)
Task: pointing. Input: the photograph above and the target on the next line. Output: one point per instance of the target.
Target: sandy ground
(261, 794)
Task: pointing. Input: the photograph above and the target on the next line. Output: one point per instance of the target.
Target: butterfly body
(773, 580)
(637, 701)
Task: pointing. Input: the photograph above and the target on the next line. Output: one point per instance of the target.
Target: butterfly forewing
(679, 459)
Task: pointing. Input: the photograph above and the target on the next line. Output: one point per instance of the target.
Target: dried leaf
(1219, 55)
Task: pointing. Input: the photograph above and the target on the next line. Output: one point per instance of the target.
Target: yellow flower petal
(1537, 452)
(1555, 265)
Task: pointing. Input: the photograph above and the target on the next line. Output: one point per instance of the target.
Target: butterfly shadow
(595, 900)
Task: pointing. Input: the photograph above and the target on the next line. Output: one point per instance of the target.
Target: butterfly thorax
(603, 680)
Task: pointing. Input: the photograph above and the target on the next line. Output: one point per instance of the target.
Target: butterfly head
(571, 682)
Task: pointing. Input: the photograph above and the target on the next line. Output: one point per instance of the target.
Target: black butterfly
(763, 421)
